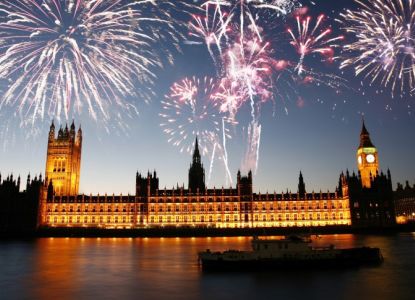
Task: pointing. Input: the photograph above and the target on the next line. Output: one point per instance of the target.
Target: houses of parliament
(363, 199)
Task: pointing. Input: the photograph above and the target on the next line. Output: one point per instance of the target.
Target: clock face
(359, 159)
(370, 158)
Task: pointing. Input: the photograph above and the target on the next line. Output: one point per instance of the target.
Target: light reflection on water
(167, 268)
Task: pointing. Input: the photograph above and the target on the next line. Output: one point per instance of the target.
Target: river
(167, 268)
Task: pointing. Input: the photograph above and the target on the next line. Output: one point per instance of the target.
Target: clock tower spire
(367, 158)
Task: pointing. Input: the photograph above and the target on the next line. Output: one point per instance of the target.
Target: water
(166, 268)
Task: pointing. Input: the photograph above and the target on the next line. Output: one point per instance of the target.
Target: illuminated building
(405, 203)
(235, 207)
(63, 161)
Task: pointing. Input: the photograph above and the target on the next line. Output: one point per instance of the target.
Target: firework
(248, 68)
(383, 50)
(60, 56)
(190, 111)
(310, 39)
(211, 29)
(248, 79)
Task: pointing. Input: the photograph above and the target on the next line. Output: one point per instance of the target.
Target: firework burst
(60, 56)
(189, 111)
(309, 39)
(210, 29)
(384, 46)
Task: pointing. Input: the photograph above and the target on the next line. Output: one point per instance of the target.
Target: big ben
(367, 158)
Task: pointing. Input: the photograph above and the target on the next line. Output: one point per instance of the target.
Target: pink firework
(315, 39)
(190, 111)
(210, 29)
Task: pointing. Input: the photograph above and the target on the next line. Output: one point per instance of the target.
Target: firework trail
(251, 157)
(384, 46)
(313, 39)
(248, 79)
(190, 111)
(60, 56)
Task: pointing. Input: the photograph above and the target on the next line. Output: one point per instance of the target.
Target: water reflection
(158, 268)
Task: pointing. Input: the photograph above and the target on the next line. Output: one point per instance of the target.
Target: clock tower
(367, 158)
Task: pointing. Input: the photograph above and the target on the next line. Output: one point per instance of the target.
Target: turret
(301, 186)
(66, 132)
(79, 136)
(72, 131)
(52, 132)
(244, 184)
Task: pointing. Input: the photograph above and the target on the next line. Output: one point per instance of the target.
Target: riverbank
(201, 232)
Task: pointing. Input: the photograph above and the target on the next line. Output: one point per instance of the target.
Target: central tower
(367, 158)
(63, 161)
(196, 172)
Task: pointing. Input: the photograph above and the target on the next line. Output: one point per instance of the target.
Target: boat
(288, 252)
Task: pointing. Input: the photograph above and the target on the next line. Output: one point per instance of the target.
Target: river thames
(167, 268)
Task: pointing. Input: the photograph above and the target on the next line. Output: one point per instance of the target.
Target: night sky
(315, 130)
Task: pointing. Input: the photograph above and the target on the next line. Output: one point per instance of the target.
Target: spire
(196, 171)
(196, 152)
(365, 141)
(301, 185)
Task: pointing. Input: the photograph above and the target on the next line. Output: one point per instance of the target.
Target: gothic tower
(367, 158)
(197, 172)
(63, 160)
